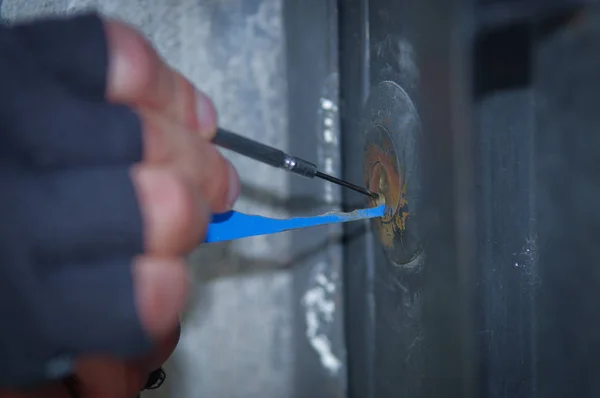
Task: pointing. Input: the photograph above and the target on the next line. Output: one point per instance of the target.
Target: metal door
(492, 290)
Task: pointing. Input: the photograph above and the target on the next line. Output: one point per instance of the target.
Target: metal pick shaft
(277, 158)
(346, 184)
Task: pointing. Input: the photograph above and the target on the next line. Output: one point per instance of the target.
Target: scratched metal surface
(250, 314)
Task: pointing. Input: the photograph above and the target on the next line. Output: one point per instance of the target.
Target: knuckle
(156, 144)
(173, 217)
(206, 114)
(203, 218)
(216, 182)
(223, 182)
(161, 290)
(181, 207)
(189, 215)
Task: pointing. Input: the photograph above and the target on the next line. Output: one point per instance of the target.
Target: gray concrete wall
(265, 319)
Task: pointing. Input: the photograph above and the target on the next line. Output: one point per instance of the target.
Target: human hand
(107, 202)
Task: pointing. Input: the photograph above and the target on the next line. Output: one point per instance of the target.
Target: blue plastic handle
(234, 225)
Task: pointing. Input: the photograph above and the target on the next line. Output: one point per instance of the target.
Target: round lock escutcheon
(391, 168)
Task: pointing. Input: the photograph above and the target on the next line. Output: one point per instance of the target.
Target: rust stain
(383, 176)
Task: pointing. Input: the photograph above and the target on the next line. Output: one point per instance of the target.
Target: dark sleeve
(70, 222)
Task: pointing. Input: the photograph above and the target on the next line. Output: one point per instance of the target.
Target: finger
(137, 76)
(73, 49)
(109, 378)
(161, 289)
(55, 390)
(106, 377)
(52, 128)
(75, 215)
(113, 307)
(134, 75)
(161, 294)
(175, 217)
(195, 159)
(162, 352)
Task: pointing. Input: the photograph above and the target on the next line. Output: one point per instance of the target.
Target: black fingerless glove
(70, 221)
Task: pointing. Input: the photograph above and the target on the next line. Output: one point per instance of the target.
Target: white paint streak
(329, 165)
(329, 150)
(328, 136)
(323, 346)
(329, 197)
(319, 312)
(327, 104)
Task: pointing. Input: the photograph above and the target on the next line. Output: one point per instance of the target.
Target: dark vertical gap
(358, 258)
(444, 46)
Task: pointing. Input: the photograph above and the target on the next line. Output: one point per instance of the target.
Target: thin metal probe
(346, 184)
(277, 158)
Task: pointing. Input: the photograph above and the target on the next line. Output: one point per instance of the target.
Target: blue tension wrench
(234, 225)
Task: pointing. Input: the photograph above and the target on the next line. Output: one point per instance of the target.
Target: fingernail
(161, 292)
(206, 114)
(234, 185)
